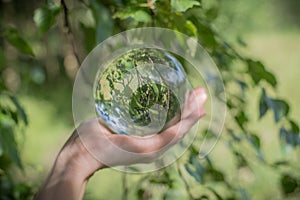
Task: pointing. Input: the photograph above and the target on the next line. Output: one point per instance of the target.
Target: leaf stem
(124, 187)
(187, 187)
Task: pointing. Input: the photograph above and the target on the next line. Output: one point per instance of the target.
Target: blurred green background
(266, 30)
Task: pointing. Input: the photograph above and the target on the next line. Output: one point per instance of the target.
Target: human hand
(114, 149)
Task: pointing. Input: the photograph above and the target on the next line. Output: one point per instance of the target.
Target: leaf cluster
(94, 21)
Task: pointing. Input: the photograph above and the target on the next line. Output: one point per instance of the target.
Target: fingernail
(203, 95)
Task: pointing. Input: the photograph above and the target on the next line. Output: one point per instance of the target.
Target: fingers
(200, 95)
(192, 111)
(194, 102)
(114, 149)
(200, 99)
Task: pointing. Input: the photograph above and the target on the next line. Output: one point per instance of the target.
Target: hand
(75, 161)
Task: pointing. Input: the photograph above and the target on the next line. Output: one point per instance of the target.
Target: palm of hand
(93, 138)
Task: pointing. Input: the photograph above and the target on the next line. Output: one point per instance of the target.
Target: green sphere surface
(140, 92)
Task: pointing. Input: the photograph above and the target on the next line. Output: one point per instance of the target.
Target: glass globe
(140, 92)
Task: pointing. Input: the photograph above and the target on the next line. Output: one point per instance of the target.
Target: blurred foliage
(58, 34)
(291, 8)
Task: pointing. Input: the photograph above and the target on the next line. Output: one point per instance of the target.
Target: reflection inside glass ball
(140, 92)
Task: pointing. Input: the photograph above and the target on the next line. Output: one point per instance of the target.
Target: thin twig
(71, 39)
(69, 32)
(124, 187)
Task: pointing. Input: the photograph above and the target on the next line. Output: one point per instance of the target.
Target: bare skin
(74, 164)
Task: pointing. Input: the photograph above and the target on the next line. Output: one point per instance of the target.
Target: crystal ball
(140, 91)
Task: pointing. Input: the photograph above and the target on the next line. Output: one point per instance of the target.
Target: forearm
(63, 182)
(70, 173)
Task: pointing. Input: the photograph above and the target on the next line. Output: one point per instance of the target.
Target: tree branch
(71, 39)
(69, 32)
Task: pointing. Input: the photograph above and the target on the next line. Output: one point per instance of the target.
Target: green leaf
(14, 38)
(23, 191)
(281, 163)
(9, 145)
(104, 21)
(230, 104)
(280, 108)
(289, 184)
(294, 126)
(136, 15)
(20, 110)
(241, 42)
(89, 37)
(85, 16)
(193, 173)
(289, 136)
(212, 13)
(45, 16)
(191, 28)
(255, 141)
(218, 196)
(205, 33)
(174, 194)
(141, 193)
(258, 73)
(234, 136)
(263, 106)
(142, 16)
(242, 85)
(215, 174)
(241, 118)
(162, 178)
(196, 163)
(176, 189)
(5, 162)
(183, 5)
(241, 160)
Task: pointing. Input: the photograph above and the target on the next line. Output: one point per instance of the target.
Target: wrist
(63, 182)
(75, 158)
(70, 172)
